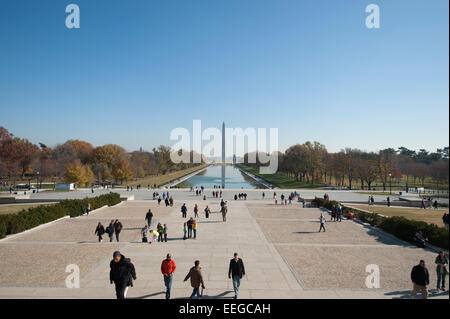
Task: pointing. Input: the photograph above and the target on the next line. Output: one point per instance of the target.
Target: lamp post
(37, 182)
(390, 184)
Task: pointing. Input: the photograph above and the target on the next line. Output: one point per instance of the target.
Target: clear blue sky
(137, 69)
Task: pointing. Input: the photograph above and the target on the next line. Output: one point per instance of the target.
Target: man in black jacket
(148, 218)
(420, 279)
(183, 211)
(236, 271)
(122, 273)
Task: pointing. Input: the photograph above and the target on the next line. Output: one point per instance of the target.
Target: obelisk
(223, 155)
(223, 143)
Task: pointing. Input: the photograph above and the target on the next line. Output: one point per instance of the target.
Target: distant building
(234, 159)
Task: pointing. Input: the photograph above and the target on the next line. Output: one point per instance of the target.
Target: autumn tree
(386, 164)
(79, 174)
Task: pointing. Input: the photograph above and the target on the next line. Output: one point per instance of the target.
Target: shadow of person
(149, 295)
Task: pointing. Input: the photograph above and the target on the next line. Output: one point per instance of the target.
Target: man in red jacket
(168, 268)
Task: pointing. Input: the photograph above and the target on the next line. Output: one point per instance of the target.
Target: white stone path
(269, 275)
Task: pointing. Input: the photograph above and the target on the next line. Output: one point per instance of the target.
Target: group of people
(336, 213)
(240, 196)
(152, 235)
(122, 273)
(421, 279)
(423, 205)
(190, 229)
(114, 228)
(284, 200)
(217, 194)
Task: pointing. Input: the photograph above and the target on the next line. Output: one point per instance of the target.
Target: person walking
(339, 213)
(88, 208)
(388, 201)
(422, 204)
(207, 212)
(322, 223)
(441, 270)
(122, 273)
(195, 211)
(185, 229)
(168, 267)
(110, 230)
(160, 229)
(196, 277)
(117, 229)
(99, 231)
(420, 278)
(445, 220)
(235, 272)
(190, 223)
(184, 211)
(165, 233)
(148, 218)
(333, 213)
(159, 200)
(144, 232)
(194, 228)
(224, 211)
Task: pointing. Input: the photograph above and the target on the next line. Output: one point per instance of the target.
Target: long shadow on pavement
(406, 294)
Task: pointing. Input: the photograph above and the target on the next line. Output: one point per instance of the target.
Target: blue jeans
(117, 236)
(441, 279)
(236, 284)
(195, 233)
(168, 284)
(195, 292)
(149, 222)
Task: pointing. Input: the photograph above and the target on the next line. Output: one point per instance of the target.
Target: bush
(26, 219)
(400, 227)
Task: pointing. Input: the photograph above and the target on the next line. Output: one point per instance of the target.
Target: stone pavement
(279, 263)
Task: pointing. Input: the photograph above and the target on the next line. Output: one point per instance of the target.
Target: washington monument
(223, 142)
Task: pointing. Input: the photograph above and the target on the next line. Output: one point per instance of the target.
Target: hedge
(400, 227)
(32, 217)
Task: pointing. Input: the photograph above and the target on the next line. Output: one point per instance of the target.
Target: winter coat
(100, 230)
(196, 277)
(122, 272)
(168, 267)
(236, 268)
(442, 265)
(420, 276)
(118, 227)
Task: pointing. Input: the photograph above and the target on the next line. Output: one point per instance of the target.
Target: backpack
(107, 230)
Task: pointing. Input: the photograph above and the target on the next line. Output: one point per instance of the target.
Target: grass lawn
(13, 209)
(163, 179)
(431, 216)
(279, 180)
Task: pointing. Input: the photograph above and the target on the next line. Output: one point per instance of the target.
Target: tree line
(80, 162)
(311, 163)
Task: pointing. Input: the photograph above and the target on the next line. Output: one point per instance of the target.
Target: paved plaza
(284, 255)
